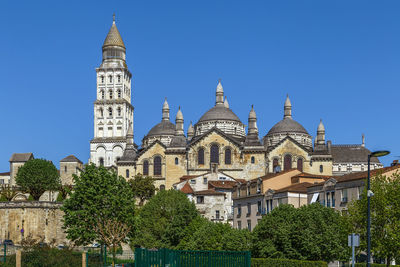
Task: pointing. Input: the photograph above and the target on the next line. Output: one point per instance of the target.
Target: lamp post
(369, 195)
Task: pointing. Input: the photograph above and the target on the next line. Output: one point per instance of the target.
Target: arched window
(119, 78)
(110, 78)
(101, 112)
(110, 112)
(300, 164)
(275, 166)
(157, 165)
(101, 161)
(111, 94)
(102, 94)
(162, 187)
(228, 156)
(119, 93)
(321, 168)
(176, 161)
(102, 78)
(200, 156)
(214, 154)
(119, 111)
(145, 167)
(253, 160)
(127, 173)
(287, 165)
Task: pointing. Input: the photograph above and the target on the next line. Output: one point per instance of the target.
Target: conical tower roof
(113, 37)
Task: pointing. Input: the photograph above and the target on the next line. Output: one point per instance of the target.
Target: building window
(239, 225)
(110, 112)
(145, 167)
(127, 173)
(248, 190)
(102, 78)
(200, 200)
(362, 167)
(217, 214)
(339, 168)
(110, 93)
(119, 111)
(101, 161)
(193, 181)
(119, 93)
(101, 113)
(238, 191)
(248, 209)
(349, 168)
(300, 164)
(228, 158)
(259, 207)
(119, 78)
(275, 166)
(253, 160)
(258, 187)
(249, 225)
(321, 168)
(333, 199)
(102, 94)
(110, 78)
(162, 187)
(205, 180)
(214, 154)
(65, 168)
(287, 165)
(176, 161)
(157, 165)
(239, 208)
(344, 195)
(200, 156)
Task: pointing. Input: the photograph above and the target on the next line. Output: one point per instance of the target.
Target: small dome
(219, 112)
(163, 128)
(287, 125)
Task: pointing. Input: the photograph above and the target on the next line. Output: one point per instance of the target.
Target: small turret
(226, 104)
(287, 108)
(165, 111)
(129, 136)
(190, 131)
(179, 123)
(219, 94)
(253, 129)
(320, 139)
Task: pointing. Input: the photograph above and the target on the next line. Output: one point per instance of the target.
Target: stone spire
(179, 123)
(320, 140)
(190, 131)
(226, 104)
(165, 111)
(287, 108)
(253, 129)
(113, 37)
(129, 136)
(219, 95)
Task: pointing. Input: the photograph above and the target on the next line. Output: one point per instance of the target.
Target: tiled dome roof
(113, 37)
(163, 128)
(287, 125)
(219, 112)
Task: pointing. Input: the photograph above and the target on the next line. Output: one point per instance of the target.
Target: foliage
(260, 262)
(162, 219)
(312, 232)
(37, 176)
(8, 192)
(385, 217)
(202, 234)
(142, 187)
(101, 208)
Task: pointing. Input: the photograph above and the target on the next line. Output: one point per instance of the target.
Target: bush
(287, 263)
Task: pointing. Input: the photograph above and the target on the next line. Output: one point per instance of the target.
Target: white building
(113, 111)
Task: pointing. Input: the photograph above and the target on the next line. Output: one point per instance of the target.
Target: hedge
(285, 262)
(372, 265)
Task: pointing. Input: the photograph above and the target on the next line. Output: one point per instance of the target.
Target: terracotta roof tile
(295, 188)
(364, 175)
(209, 192)
(187, 189)
(222, 184)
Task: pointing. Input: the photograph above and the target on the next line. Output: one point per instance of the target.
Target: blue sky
(338, 60)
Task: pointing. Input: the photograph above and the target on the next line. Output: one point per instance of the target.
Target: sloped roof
(163, 128)
(4, 173)
(351, 153)
(222, 184)
(21, 157)
(187, 177)
(287, 125)
(70, 158)
(295, 188)
(309, 175)
(113, 37)
(187, 189)
(195, 139)
(209, 192)
(364, 175)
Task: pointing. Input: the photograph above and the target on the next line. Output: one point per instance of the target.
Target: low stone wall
(38, 219)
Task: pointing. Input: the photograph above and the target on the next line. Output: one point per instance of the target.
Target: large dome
(219, 112)
(287, 125)
(163, 128)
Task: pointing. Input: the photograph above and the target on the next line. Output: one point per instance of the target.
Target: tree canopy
(143, 187)
(312, 232)
(37, 176)
(162, 219)
(100, 208)
(385, 217)
(202, 234)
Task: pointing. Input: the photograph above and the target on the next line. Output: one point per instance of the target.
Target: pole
(353, 250)
(5, 252)
(369, 216)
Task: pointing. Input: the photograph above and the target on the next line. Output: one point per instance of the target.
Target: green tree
(385, 217)
(8, 192)
(143, 187)
(100, 208)
(312, 232)
(202, 234)
(162, 219)
(37, 176)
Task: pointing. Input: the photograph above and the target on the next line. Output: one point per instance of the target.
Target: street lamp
(375, 154)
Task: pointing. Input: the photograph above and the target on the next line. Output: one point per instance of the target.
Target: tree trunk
(113, 254)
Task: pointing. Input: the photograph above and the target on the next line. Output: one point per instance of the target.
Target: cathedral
(218, 141)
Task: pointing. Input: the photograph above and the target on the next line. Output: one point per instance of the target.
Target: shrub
(257, 262)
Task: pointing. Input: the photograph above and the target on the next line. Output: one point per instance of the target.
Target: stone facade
(39, 220)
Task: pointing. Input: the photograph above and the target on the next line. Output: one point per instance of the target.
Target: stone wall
(38, 219)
